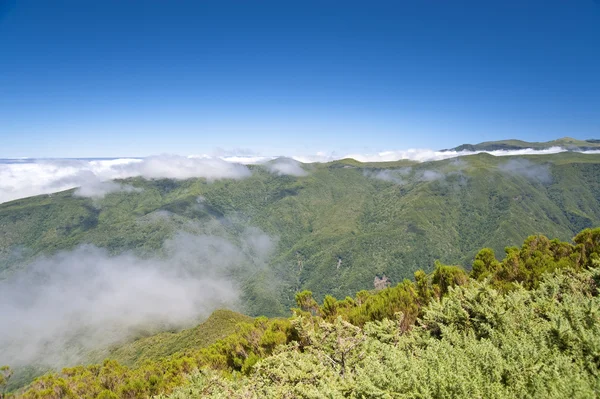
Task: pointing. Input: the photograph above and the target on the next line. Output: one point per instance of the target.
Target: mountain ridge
(567, 143)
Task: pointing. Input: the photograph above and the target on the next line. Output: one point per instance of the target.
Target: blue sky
(133, 78)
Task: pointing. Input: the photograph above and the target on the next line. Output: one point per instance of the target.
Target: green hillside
(220, 324)
(525, 326)
(567, 143)
(337, 228)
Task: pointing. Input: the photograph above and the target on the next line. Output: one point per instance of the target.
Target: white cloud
(178, 167)
(23, 178)
(28, 178)
(247, 160)
(60, 307)
(425, 155)
(418, 155)
(99, 189)
(397, 176)
(318, 157)
(402, 176)
(527, 169)
(286, 166)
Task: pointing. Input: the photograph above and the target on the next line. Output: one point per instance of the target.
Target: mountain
(335, 230)
(567, 143)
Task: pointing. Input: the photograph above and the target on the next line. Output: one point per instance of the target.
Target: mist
(402, 176)
(61, 307)
(286, 166)
(396, 176)
(527, 169)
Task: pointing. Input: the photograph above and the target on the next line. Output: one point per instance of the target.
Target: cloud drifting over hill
(527, 169)
(27, 178)
(60, 307)
(286, 166)
(24, 177)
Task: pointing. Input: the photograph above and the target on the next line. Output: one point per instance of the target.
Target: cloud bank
(28, 178)
(422, 155)
(59, 308)
(21, 178)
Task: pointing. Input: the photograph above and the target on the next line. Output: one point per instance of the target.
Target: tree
(423, 286)
(307, 303)
(330, 305)
(445, 277)
(485, 263)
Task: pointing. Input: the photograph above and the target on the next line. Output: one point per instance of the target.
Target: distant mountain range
(567, 143)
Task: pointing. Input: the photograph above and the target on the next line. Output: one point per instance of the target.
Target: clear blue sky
(117, 78)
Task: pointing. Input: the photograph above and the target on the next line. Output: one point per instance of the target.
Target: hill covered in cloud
(24, 177)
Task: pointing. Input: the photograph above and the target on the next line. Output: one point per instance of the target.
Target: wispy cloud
(60, 307)
(402, 176)
(286, 166)
(527, 169)
(397, 176)
(99, 189)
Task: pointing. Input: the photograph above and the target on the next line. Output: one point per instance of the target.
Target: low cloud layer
(421, 155)
(61, 307)
(24, 178)
(28, 178)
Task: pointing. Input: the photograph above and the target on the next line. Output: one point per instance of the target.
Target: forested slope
(337, 228)
(526, 326)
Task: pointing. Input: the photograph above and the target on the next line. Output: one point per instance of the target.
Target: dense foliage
(526, 326)
(475, 342)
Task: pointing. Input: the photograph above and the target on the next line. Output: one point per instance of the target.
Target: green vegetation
(337, 229)
(475, 342)
(5, 374)
(220, 324)
(526, 326)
